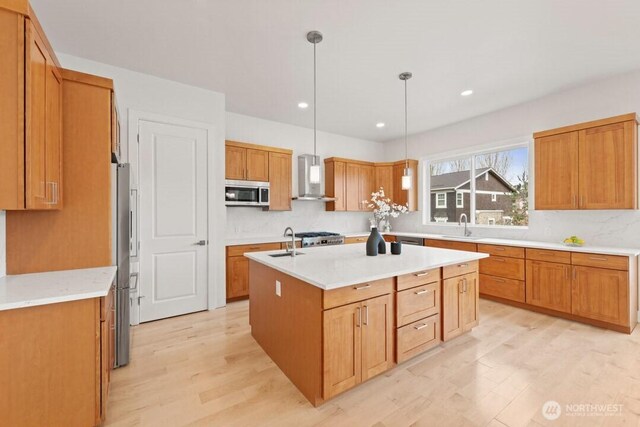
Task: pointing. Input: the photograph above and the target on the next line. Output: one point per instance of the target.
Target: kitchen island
(332, 318)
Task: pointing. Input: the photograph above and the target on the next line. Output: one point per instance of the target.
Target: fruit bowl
(573, 241)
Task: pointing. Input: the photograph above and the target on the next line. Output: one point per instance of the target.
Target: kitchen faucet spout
(291, 250)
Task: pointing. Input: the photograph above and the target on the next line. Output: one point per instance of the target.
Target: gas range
(320, 238)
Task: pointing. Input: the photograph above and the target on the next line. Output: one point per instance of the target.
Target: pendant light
(406, 175)
(314, 37)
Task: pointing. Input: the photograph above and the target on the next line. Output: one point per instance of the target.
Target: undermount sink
(462, 237)
(283, 254)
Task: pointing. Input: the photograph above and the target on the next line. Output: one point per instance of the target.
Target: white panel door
(173, 220)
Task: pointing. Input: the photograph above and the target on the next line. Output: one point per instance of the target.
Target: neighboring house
(451, 197)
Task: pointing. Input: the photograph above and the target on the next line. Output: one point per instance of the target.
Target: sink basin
(283, 254)
(462, 237)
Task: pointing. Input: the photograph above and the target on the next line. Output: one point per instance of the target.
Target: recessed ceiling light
(380, 125)
(303, 105)
(466, 92)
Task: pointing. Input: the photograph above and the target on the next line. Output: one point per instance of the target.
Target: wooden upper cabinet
(30, 156)
(588, 166)
(279, 178)
(352, 187)
(335, 184)
(556, 172)
(384, 179)
(235, 162)
(258, 165)
(366, 185)
(607, 166)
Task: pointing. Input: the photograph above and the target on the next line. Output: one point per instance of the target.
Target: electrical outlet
(278, 288)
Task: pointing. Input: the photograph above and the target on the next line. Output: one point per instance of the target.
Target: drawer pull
(498, 259)
(421, 326)
(358, 288)
(598, 258)
(499, 249)
(463, 265)
(499, 280)
(424, 273)
(253, 248)
(422, 292)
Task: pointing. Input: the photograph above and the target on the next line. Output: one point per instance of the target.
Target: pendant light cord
(406, 143)
(315, 129)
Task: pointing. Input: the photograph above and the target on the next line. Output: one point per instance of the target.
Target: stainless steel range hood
(307, 190)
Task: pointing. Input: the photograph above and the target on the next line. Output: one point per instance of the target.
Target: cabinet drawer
(259, 247)
(450, 244)
(418, 303)
(283, 245)
(508, 268)
(561, 257)
(613, 262)
(504, 288)
(360, 292)
(361, 239)
(418, 278)
(498, 250)
(459, 269)
(417, 338)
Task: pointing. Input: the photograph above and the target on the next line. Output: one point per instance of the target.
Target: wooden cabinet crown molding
(586, 125)
(90, 79)
(251, 146)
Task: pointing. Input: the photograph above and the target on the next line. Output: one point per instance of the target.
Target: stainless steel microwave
(246, 193)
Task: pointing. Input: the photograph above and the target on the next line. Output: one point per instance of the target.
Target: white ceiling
(255, 51)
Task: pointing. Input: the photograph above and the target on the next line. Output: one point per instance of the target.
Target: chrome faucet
(291, 250)
(467, 232)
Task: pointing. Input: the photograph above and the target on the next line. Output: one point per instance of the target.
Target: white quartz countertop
(28, 290)
(331, 267)
(512, 242)
(235, 241)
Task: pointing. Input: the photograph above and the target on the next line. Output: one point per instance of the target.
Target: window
(498, 194)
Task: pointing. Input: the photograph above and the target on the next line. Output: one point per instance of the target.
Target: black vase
(373, 241)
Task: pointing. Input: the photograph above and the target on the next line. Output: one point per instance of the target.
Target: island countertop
(331, 267)
(28, 290)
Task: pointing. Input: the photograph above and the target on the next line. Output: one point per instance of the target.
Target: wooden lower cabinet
(55, 363)
(451, 244)
(601, 294)
(459, 305)
(418, 337)
(357, 343)
(500, 287)
(549, 285)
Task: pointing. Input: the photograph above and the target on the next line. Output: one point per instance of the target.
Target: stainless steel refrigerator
(121, 247)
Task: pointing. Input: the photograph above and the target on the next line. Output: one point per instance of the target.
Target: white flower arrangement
(383, 207)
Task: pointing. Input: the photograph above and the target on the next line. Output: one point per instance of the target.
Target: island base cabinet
(358, 343)
(460, 299)
(601, 294)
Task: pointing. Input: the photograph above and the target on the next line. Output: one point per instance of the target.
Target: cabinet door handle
(52, 186)
(366, 315)
(575, 200)
(359, 318)
(566, 272)
(575, 273)
(424, 273)
(422, 292)
(581, 201)
(358, 288)
(461, 286)
(465, 285)
(421, 326)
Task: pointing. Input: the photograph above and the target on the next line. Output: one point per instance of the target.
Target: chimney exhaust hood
(307, 190)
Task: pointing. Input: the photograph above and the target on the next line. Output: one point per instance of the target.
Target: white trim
(438, 205)
(494, 197)
(216, 292)
(461, 204)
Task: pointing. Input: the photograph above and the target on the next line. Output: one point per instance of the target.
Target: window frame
(471, 153)
(494, 197)
(461, 205)
(444, 206)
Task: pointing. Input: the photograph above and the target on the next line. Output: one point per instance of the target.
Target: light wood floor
(205, 369)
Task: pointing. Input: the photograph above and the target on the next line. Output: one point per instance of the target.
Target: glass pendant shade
(314, 174)
(406, 179)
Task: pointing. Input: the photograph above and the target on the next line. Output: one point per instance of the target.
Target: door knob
(201, 243)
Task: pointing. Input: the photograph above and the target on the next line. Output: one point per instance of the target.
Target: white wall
(605, 98)
(146, 93)
(304, 216)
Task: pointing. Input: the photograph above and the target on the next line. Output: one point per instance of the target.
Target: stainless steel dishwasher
(406, 240)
